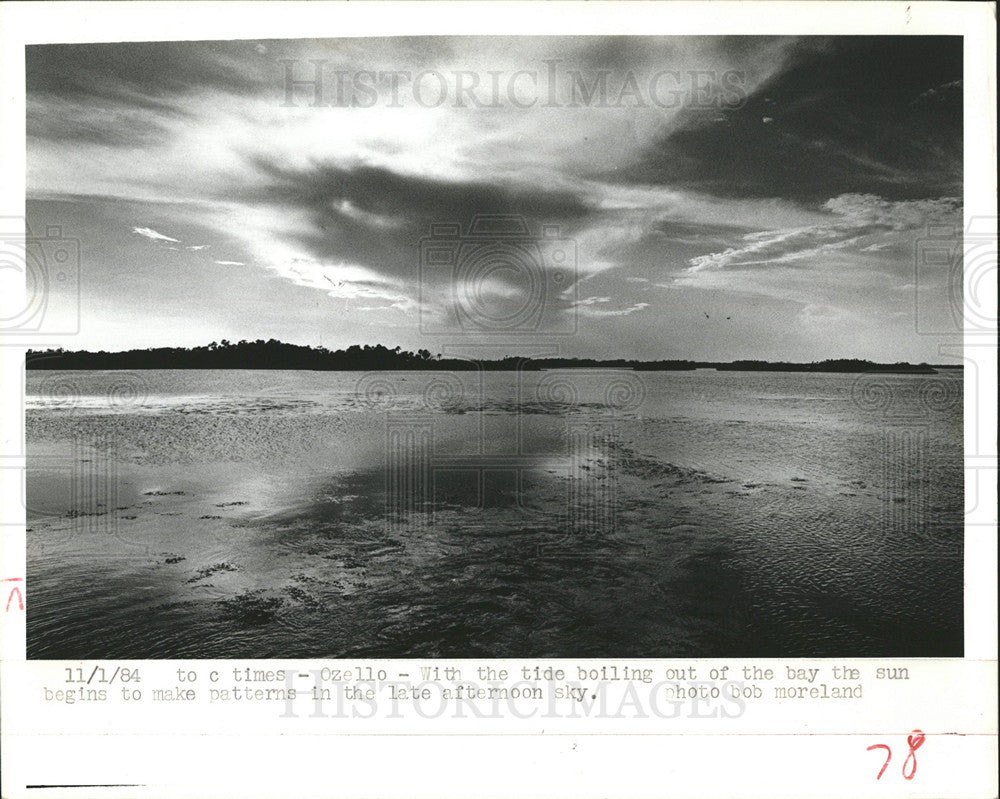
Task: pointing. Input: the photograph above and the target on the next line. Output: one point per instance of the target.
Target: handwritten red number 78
(915, 741)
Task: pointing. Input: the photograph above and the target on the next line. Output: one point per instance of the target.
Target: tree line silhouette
(274, 354)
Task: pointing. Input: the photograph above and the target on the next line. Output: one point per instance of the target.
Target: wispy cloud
(599, 306)
(149, 233)
(864, 222)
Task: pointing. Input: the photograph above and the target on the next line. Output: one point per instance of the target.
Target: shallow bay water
(571, 513)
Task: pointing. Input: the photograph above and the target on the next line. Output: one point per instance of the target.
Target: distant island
(275, 354)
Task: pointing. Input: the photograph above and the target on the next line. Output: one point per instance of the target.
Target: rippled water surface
(562, 514)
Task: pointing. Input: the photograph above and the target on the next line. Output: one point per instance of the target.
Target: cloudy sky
(691, 197)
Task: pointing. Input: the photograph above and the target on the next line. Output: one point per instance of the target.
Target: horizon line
(425, 356)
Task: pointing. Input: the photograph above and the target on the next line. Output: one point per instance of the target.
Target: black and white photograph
(533, 346)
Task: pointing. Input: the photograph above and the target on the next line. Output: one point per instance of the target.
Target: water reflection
(501, 515)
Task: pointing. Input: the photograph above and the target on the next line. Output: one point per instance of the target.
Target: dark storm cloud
(693, 232)
(151, 74)
(43, 123)
(618, 53)
(159, 75)
(626, 53)
(862, 114)
(376, 217)
(124, 95)
(382, 191)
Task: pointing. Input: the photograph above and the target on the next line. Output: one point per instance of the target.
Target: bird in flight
(706, 315)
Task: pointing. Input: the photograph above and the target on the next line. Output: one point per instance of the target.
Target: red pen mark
(888, 757)
(915, 741)
(15, 590)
